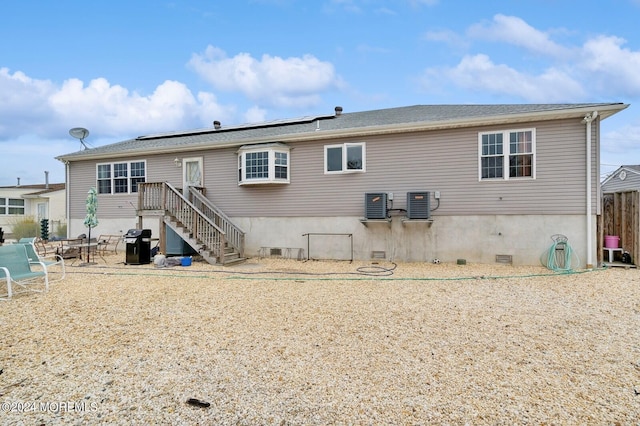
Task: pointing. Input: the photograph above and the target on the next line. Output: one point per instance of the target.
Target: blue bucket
(186, 261)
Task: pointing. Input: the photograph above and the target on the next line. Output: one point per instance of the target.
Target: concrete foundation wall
(473, 238)
(476, 239)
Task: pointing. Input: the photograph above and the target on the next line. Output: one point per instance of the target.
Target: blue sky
(127, 68)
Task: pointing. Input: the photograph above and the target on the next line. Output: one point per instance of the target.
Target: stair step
(235, 261)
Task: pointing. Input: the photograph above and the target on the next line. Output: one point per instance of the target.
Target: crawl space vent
(504, 258)
(275, 251)
(378, 254)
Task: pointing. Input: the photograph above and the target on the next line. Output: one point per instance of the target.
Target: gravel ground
(286, 342)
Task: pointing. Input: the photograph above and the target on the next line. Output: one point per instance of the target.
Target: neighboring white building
(41, 201)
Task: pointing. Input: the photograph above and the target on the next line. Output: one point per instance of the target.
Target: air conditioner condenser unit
(419, 205)
(375, 205)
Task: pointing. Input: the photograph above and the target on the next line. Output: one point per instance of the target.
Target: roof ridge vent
(338, 110)
(217, 125)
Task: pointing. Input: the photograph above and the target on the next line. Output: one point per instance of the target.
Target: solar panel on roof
(262, 124)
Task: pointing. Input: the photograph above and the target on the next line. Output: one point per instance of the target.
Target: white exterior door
(42, 211)
(192, 173)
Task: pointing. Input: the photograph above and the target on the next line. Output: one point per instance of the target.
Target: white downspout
(587, 120)
(67, 196)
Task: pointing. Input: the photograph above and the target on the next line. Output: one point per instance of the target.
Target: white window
(344, 158)
(268, 163)
(507, 154)
(13, 206)
(121, 177)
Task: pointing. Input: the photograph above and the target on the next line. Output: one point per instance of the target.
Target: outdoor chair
(15, 268)
(39, 243)
(89, 249)
(41, 246)
(47, 261)
(79, 248)
(68, 248)
(108, 242)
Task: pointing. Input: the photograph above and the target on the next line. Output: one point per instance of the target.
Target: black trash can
(138, 242)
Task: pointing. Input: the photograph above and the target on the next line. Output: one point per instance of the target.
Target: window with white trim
(507, 154)
(344, 158)
(13, 206)
(121, 177)
(267, 163)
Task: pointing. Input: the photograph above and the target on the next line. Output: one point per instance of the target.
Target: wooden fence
(621, 216)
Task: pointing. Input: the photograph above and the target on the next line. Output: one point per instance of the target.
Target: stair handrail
(194, 220)
(234, 234)
(191, 205)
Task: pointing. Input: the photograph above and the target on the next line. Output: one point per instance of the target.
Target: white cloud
(114, 110)
(614, 67)
(514, 30)
(42, 109)
(479, 73)
(599, 69)
(23, 104)
(209, 110)
(623, 140)
(293, 82)
(255, 115)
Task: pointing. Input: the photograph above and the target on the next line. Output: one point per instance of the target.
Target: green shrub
(61, 230)
(25, 227)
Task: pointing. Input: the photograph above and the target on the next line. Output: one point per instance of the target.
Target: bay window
(265, 163)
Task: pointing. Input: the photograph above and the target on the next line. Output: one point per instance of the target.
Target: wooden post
(163, 235)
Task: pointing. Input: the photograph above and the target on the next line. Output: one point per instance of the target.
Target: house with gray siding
(625, 178)
(474, 182)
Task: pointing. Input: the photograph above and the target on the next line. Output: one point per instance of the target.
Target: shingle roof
(344, 124)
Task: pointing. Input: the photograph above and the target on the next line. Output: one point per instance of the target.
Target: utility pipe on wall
(587, 120)
(67, 201)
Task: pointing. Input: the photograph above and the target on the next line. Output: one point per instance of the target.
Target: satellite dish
(80, 133)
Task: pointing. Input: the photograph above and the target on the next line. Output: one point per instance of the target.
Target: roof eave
(578, 113)
(37, 195)
(604, 111)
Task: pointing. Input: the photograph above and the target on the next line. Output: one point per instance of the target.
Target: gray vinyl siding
(160, 168)
(443, 160)
(630, 183)
(82, 176)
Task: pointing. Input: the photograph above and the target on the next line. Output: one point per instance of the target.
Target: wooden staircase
(229, 254)
(196, 220)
